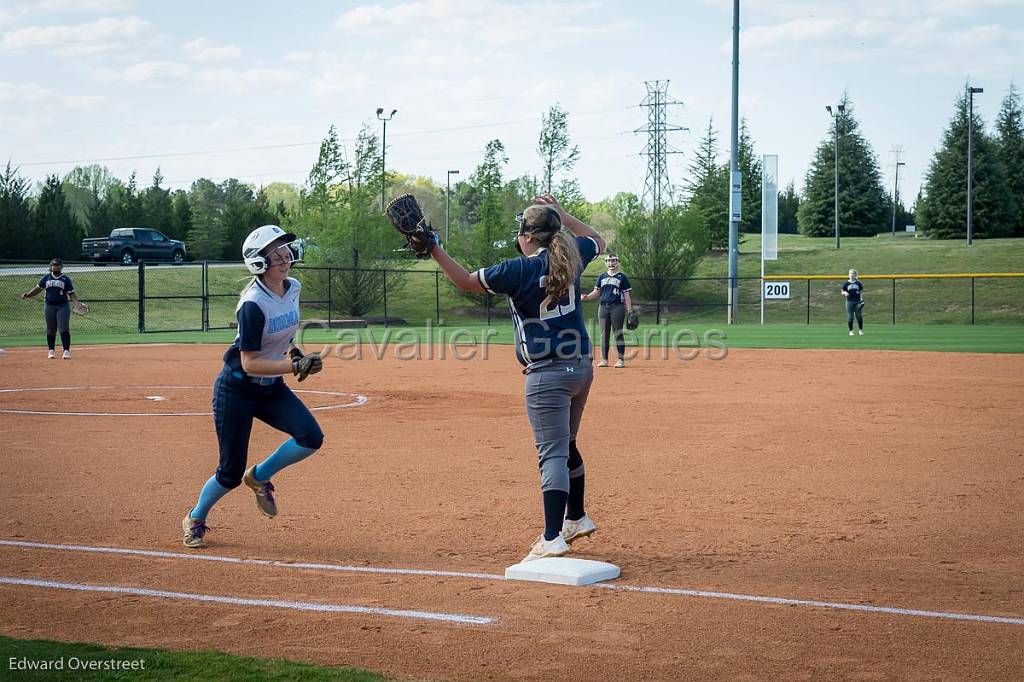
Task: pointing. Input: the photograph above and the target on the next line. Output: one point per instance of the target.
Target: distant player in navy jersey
(57, 312)
(250, 384)
(613, 287)
(853, 292)
(543, 289)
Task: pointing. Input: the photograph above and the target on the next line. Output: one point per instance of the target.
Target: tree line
(338, 207)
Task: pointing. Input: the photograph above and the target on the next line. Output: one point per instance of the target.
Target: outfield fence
(202, 296)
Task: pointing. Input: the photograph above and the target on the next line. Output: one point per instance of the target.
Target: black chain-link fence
(203, 296)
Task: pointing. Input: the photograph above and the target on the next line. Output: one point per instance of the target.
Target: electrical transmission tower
(657, 188)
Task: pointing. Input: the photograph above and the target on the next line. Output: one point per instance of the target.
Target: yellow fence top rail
(945, 275)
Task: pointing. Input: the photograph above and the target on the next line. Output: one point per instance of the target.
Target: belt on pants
(540, 364)
(262, 381)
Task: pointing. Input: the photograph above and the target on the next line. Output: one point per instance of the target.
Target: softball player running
(552, 345)
(57, 313)
(853, 293)
(250, 384)
(613, 287)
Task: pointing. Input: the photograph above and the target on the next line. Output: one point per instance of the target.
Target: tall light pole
(735, 176)
(448, 203)
(383, 150)
(896, 196)
(840, 109)
(970, 162)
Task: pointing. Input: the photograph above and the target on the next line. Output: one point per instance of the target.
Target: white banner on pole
(770, 207)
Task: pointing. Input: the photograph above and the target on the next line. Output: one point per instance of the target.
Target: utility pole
(735, 177)
(383, 151)
(896, 188)
(840, 109)
(657, 188)
(970, 162)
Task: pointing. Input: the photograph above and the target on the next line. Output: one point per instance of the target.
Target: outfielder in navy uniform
(613, 287)
(853, 292)
(543, 289)
(57, 313)
(250, 385)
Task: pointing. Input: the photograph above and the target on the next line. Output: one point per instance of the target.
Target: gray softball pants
(556, 394)
(57, 318)
(611, 318)
(854, 308)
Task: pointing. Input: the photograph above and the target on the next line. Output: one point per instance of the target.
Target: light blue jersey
(266, 323)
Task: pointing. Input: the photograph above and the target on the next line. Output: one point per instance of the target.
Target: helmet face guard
(256, 243)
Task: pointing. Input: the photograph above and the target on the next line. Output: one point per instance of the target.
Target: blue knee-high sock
(287, 454)
(208, 496)
(554, 507)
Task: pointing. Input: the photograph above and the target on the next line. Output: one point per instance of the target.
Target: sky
(248, 90)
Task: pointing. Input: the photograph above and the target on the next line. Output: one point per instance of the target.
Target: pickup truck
(130, 244)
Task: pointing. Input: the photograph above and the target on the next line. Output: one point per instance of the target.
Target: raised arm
(570, 222)
(460, 277)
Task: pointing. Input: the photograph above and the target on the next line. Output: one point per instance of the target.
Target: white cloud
(203, 50)
(491, 22)
(292, 57)
(146, 73)
(245, 80)
(30, 94)
(98, 6)
(104, 35)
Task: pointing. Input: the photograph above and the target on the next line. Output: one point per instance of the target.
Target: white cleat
(51, 354)
(66, 356)
(861, 332)
(851, 332)
(545, 548)
(580, 528)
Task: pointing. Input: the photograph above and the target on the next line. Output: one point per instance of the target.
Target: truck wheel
(178, 257)
(127, 257)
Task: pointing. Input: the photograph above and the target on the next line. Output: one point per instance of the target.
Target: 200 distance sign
(776, 289)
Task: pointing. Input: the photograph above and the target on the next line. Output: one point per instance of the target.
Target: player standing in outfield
(613, 287)
(553, 347)
(853, 292)
(57, 313)
(250, 384)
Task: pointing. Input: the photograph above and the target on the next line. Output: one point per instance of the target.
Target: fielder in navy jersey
(543, 289)
(853, 292)
(250, 385)
(614, 289)
(57, 311)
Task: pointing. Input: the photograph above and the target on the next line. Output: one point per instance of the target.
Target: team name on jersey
(276, 324)
(58, 283)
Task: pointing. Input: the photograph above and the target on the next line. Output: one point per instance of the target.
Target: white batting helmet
(257, 241)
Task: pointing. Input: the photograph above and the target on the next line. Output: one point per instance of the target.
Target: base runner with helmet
(250, 385)
(57, 311)
(543, 289)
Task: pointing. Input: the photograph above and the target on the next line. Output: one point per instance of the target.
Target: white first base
(563, 571)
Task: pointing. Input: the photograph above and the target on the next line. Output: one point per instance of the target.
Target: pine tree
(16, 220)
(157, 209)
(942, 210)
(1010, 126)
(181, 221)
(789, 206)
(750, 167)
(862, 198)
(206, 236)
(55, 224)
(708, 189)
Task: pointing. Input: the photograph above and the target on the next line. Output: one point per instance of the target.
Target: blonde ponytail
(563, 266)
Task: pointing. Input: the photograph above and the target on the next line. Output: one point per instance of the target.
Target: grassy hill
(174, 293)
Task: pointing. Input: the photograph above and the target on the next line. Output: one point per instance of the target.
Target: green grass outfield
(956, 338)
(173, 292)
(160, 664)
